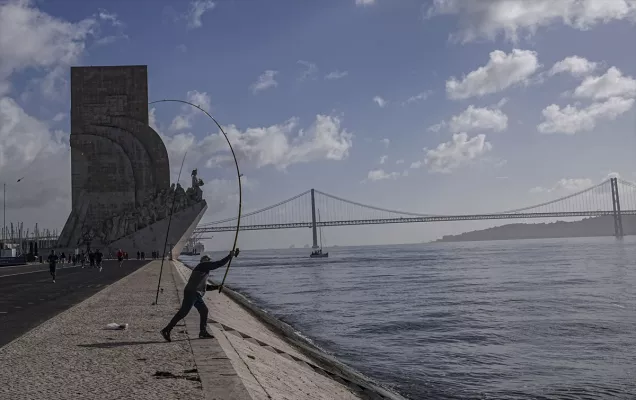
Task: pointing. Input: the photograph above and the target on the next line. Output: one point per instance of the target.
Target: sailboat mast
(320, 230)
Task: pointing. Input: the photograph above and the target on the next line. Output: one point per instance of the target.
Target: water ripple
(541, 319)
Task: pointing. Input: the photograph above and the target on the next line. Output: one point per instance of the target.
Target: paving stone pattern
(72, 356)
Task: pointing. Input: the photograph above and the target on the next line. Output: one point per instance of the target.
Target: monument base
(153, 237)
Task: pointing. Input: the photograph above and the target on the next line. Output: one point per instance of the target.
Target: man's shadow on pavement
(120, 344)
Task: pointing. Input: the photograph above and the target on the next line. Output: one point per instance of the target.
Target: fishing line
(238, 175)
(165, 243)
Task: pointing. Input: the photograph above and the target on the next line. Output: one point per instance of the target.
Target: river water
(535, 319)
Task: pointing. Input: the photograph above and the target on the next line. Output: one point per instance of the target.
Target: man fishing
(193, 295)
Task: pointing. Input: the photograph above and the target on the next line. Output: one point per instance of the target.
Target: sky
(439, 106)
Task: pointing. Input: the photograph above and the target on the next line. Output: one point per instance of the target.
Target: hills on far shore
(589, 227)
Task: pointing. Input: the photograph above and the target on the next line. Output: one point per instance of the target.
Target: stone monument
(120, 173)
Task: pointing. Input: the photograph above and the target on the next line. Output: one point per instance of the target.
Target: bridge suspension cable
(257, 211)
(547, 203)
(373, 207)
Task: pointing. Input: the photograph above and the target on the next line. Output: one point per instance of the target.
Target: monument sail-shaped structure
(120, 172)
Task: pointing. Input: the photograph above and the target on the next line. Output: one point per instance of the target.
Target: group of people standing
(141, 255)
(92, 259)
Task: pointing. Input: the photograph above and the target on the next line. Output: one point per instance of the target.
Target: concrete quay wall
(234, 313)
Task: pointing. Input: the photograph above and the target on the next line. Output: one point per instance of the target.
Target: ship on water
(193, 246)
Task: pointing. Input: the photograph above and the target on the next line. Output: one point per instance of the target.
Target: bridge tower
(313, 220)
(616, 205)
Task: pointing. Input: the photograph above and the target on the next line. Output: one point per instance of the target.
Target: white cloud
(501, 72)
(490, 18)
(476, 119)
(279, 145)
(386, 142)
(398, 162)
(380, 174)
(336, 75)
(416, 164)
(30, 38)
(195, 12)
(105, 15)
(58, 117)
(574, 65)
(379, 101)
(418, 97)
(364, 3)
(565, 185)
(113, 20)
(188, 113)
(612, 175)
(265, 81)
(456, 153)
(383, 159)
(324, 139)
(29, 149)
(502, 102)
(612, 84)
(310, 71)
(152, 119)
(437, 127)
(571, 119)
(220, 194)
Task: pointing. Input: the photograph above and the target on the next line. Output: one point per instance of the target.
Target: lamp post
(4, 209)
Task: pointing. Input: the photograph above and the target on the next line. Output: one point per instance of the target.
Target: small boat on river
(318, 252)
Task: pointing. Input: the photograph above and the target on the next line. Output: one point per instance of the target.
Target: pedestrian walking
(98, 259)
(120, 257)
(193, 295)
(52, 264)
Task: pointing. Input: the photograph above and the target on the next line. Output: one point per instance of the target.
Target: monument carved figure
(120, 174)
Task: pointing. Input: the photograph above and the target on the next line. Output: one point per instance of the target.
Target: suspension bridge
(312, 209)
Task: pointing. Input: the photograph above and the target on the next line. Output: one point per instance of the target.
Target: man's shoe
(166, 335)
(205, 335)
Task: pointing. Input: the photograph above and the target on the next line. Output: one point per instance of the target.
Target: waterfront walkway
(73, 356)
(28, 296)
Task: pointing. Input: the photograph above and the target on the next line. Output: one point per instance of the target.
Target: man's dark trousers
(191, 298)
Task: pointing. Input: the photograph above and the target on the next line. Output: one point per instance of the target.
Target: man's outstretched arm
(212, 265)
(208, 266)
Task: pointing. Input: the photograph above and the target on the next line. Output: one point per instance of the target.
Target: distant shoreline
(589, 227)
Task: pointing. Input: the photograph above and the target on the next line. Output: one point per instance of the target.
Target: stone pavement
(72, 356)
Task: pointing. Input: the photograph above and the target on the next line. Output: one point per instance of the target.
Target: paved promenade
(72, 356)
(28, 297)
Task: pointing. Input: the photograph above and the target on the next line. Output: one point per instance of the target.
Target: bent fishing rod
(238, 177)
